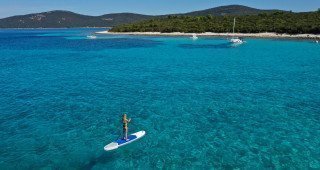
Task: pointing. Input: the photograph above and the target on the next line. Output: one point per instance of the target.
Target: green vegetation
(279, 22)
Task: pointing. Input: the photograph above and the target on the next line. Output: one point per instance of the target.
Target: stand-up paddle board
(121, 142)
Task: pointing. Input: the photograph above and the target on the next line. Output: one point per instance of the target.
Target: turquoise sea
(204, 104)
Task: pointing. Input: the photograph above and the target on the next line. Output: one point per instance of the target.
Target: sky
(151, 7)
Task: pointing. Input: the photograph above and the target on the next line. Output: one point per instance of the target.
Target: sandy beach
(254, 35)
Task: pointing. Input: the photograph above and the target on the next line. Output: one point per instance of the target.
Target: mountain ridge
(231, 10)
(69, 19)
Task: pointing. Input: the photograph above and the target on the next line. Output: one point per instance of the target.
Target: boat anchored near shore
(235, 40)
(194, 37)
(91, 36)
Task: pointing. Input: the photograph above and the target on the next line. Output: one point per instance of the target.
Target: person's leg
(126, 134)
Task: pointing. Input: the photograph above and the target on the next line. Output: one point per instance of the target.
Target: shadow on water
(102, 158)
(115, 43)
(33, 42)
(214, 46)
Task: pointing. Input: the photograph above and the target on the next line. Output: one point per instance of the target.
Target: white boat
(91, 36)
(235, 40)
(194, 37)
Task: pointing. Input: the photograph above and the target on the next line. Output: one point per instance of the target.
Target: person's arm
(128, 120)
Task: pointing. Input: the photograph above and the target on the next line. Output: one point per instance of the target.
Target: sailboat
(235, 40)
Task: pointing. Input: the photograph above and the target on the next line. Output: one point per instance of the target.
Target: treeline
(279, 22)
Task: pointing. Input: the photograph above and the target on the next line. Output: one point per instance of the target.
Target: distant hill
(67, 19)
(230, 10)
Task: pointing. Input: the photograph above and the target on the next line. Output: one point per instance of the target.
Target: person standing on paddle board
(125, 122)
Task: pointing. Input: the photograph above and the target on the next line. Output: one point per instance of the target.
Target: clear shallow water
(202, 103)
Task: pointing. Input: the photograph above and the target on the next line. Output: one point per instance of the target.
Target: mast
(234, 24)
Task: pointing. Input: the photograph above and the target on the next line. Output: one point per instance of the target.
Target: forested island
(278, 22)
